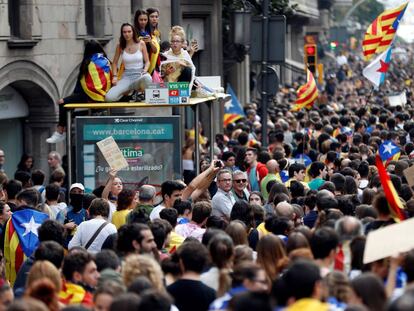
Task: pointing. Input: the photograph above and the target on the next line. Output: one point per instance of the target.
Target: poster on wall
(150, 145)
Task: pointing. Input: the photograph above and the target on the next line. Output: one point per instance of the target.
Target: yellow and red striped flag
(97, 80)
(381, 32)
(394, 202)
(307, 93)
(71, 294)
(21, 239)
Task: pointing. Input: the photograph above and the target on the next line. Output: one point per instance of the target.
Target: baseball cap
(77, 185)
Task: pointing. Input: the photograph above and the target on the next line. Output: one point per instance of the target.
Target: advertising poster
(150, 145)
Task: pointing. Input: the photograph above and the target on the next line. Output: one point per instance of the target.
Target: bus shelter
(211, 102)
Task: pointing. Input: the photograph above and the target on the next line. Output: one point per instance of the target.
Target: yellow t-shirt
(262, 230)
(175, 241)
(119, 218)
(308, 304)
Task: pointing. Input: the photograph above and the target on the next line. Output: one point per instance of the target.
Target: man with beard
(80, 277)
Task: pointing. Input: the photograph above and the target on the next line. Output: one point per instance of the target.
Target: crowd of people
(277, 227)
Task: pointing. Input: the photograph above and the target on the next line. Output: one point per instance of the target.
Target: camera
(218, 164)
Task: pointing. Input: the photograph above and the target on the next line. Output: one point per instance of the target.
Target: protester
(93, 55)
(133, 53)
(282, 226)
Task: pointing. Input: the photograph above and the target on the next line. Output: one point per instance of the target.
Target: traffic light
(311, 51)
(334, 45)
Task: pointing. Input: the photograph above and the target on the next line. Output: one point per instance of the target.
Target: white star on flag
(228, 104)
(388, 148)
(31, 226)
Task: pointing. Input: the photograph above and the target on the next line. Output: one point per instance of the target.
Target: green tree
(368, 11)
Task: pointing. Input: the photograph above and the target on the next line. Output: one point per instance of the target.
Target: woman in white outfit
(133, 53)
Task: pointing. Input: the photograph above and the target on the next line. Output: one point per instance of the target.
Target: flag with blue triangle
(389, 151)
(233, 110)
(376, 70)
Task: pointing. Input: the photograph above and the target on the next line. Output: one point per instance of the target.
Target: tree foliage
(368, 11)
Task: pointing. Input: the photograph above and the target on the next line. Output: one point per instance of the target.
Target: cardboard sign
(112, 153)
(389, 241)
(398, 100)
(409, 175)
(156, 93)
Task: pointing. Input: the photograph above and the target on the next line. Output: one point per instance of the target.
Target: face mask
(76, 200)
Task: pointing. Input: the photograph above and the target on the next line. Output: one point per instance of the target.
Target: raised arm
(108, 186)
(201, 182)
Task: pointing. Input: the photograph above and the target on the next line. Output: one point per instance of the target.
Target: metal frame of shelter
(194, 104)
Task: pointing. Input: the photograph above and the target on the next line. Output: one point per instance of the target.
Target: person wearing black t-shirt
(189, 292)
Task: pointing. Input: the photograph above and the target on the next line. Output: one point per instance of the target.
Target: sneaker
(56, 138)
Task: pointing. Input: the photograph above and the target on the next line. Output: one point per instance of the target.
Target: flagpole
(369, 96)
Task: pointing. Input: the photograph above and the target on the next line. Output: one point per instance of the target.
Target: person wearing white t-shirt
(99, 212)
(52, 195)
(171, 191)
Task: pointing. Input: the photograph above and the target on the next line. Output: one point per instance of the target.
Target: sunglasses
(240, 180)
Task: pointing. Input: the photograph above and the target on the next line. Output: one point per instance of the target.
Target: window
(95, 18)
(21, 24)
(14, 18)
(89, 17)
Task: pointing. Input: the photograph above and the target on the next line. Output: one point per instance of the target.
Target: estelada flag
(233, 110)
(97, 81)
(389, 151)
(381, 32)
(394, 202)
(21, 239)
(307, 93)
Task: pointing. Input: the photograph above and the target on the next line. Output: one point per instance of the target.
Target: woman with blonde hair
(271, 256)
(337, 289)
(141, 265)
(178, 66)
(44, 283)
(44, 269)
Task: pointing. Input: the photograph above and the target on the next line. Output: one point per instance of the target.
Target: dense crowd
(277, 227)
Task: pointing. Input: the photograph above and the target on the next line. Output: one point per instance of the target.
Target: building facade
(41, 47)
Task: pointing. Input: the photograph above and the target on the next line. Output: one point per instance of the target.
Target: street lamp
(240, 25)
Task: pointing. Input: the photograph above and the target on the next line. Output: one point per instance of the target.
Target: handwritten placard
(112, 153)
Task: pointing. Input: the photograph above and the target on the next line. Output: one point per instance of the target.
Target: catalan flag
(307, 93)
(381, 32)
(394, 202)
(233, 110)
(388, 151)
(20, 239)
(97, 81)
(73, 294)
